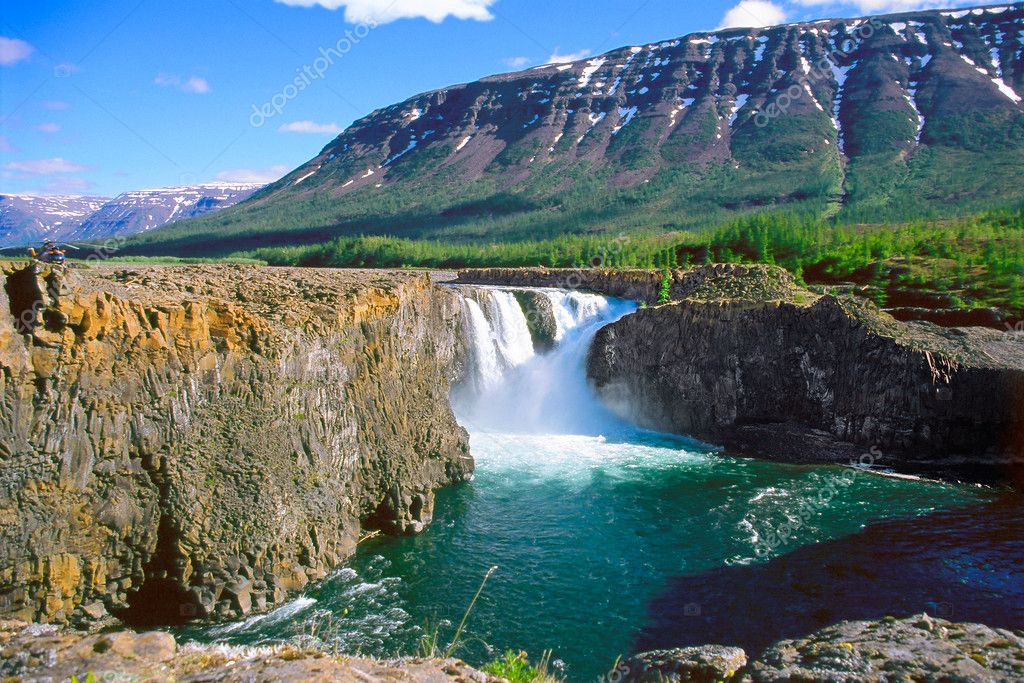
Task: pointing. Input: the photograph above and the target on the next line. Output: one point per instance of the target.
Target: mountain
(27, 218)
(909, 115)
(134, 212)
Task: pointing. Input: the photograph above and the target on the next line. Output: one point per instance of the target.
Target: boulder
(917, 648)
(703, 664)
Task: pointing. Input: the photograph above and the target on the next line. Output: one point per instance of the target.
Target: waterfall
(513, 389)
(499, 339)
(573, 308)
(487, 371)
(511, 331)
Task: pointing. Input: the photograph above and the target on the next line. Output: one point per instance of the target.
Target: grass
(429, 645)
(515, 667)
(512, 666)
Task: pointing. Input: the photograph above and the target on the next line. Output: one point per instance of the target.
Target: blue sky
(99, 98)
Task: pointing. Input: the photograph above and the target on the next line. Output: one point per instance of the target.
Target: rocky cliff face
(753, 362)
(202, 441)
(875, 118)
(644, 286)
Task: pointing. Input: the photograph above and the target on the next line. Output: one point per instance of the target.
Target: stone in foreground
(918, 648)
(704, 664)
(42, 653)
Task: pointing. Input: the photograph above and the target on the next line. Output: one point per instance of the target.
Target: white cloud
(193, 84)
(310, 127)
(45, 166)
(516, 62)
(55, 105)
(62, 185)
(13, 50)
(197, 85)
(253, 175)
(754, 13)
(6, 145)
(557, 58)
(385, 11)
(47, 127)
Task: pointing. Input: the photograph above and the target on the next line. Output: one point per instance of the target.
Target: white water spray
(515, 390)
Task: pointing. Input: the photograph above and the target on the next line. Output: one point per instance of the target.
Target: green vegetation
(665, 293)
(970, 262)
(516, 668)
(173, 260)
(792, 165)
(948, 264)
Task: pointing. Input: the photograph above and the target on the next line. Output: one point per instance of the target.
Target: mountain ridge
(867, 118)
(26, 218)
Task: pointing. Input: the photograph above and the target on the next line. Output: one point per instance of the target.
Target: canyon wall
(779, 372)
(180, 442)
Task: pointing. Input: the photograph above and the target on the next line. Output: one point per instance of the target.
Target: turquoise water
(608, 539)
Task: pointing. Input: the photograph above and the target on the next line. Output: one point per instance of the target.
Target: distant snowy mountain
(134, 212)
(25, 219)
(28, 218)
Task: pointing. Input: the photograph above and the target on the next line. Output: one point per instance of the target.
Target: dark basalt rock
(540, 317)
(817, 379)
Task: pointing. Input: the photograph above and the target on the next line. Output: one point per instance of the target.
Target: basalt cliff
(745, 358)
(186, 442)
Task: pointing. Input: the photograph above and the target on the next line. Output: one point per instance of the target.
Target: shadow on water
(964, 564)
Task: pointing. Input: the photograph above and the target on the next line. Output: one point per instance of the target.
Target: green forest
(960, 263)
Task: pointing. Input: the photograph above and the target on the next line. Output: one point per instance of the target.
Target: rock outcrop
(749, 360)
(540, 317)
(917, 648)
(705, 663)
(182, 442)
(44, 653)
(644, 285)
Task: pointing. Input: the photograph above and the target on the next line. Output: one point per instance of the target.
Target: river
(609, 539)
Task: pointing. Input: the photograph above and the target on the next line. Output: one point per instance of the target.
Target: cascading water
(517, 390)
(611, 539)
